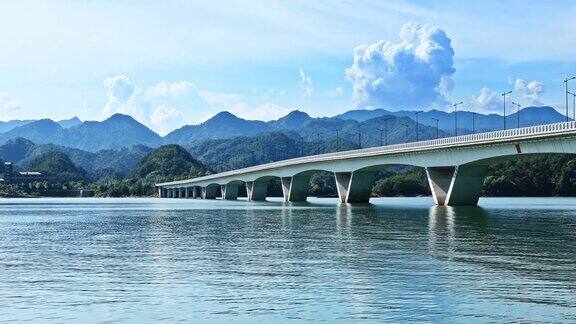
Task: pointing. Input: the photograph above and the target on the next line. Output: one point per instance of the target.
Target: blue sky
(170, 63)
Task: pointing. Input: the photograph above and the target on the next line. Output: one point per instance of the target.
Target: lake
(399, 259)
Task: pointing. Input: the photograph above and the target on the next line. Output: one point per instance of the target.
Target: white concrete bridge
(456, 167)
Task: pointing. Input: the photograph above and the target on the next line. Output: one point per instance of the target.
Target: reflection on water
(397, 260)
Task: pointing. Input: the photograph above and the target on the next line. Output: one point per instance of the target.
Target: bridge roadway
(455, 166)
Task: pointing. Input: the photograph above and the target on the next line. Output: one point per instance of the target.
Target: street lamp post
(573, 104)
(417, 113)
(456, 117)
(337, 140)
(473, 123)
(359, 139)
(318, 143)
(406, 128)
(517, 113)
(566, 87)
(437, 120)
(386, 129)
(504, 103)
(381, 134)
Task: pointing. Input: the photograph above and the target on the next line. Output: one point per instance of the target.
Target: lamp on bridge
(517, 112)
(573, 104)
(417, 113)
(337, 140)
(437, 120)
(386, 128)
(456, 117)
(566, 86)
(504, 103)
(406, 128)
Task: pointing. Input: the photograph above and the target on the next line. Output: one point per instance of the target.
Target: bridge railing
(462, 139)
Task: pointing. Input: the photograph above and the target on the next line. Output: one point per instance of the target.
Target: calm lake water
(148, 260)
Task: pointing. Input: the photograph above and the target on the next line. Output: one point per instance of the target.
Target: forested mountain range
(121, 131)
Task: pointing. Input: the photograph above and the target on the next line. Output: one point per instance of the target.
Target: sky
(174, 62)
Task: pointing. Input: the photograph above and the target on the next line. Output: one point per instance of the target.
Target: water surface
(107, 260)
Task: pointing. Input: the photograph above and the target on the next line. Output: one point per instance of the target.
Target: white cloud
(529, 92)
(336, 92)
(236, 104)
(159, 106)
(123, 96)
(165, 117)
(487, 101)
(305, 84)
(413, 73)
(9, 107)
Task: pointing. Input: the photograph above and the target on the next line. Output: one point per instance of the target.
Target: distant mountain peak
(223, 116)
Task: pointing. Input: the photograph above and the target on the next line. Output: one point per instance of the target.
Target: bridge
(455, 166)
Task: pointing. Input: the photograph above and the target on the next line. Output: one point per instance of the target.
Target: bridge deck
(480, 139)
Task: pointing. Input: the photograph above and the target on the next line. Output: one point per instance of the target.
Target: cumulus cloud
(305, 84)
(123, 96)
(236, 104)
(165, 118)
(9, 107)
(529, 92)
(487, 101)
(158, 106)
(414, 72)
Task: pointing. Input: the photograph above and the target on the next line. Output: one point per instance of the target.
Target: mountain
(293, 121)
(58, 165)
(222, 125)
(529, 116)
(67, 123)
(6, 126)
(116, 132)
(117, 163)
(167, 163)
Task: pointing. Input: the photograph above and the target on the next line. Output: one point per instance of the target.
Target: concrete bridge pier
(295, 188)
(229, 191)
(355, 187)
(194, 193)
(256, 190)
(187, 192)
(456, 185)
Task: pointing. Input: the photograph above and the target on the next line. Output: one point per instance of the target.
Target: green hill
(58, 165)
(167, 163)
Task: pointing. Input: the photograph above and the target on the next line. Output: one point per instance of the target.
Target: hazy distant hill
(116, 132)
(222, 125)
(120, 131)
(529, 116)
(293, 121)
(6, 126)
(67, 123)
(120, 162)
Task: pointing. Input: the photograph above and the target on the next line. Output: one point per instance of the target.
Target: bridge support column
(457, 186)
(230, 191)
(360, 186)
(209, 192)
(342, 184)
(171, 193)
(160, 192)
(187, 191)
(182, 192)
(295, 188)
(194, 193)
(256, 190)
